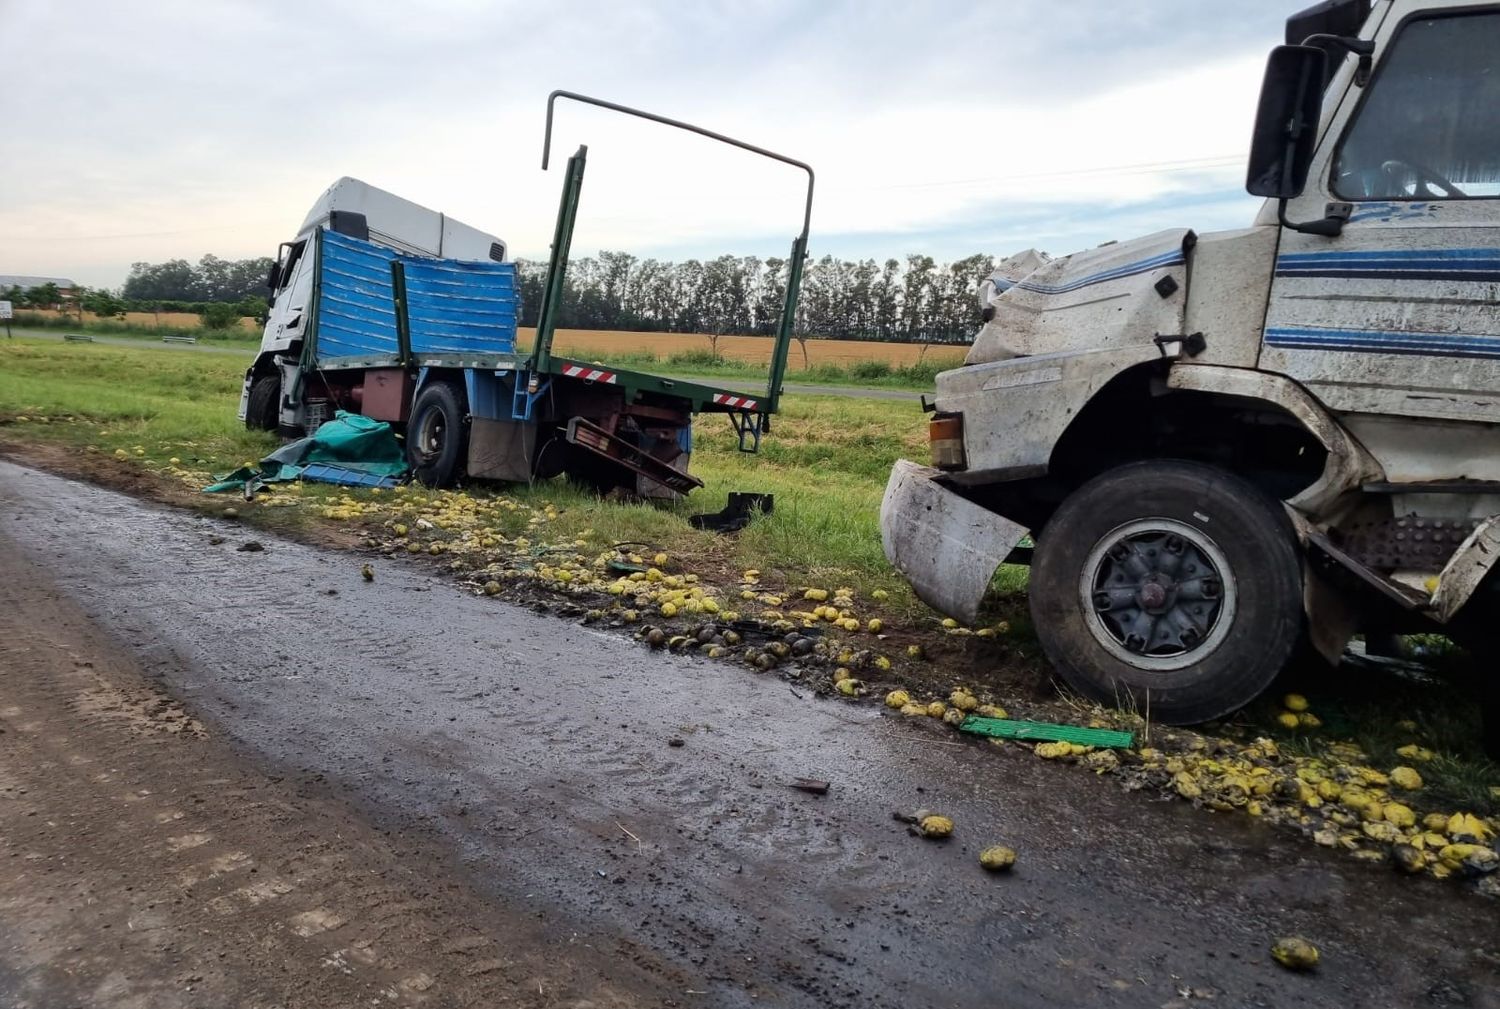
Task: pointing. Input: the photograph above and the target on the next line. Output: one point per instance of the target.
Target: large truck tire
(1170, 586)
(437, 435)
(263, 410)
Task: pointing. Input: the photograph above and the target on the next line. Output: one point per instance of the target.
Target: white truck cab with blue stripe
(1224, 445)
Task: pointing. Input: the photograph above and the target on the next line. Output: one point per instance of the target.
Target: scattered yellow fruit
(1308, 720)
(950, 623)
(936, 826)
(816, 595)
(1401, 816)
(997, 858)
(990, 711)
(1407, 778)
(175, 461)
(1185, 785)
(1295, 953)
(367, 572)
(963, 700)
(875, 626)
(881, 662)
(879, 594)
(1287, 720)
(492, 588)
(847, 687)
(937, 709)
(897, 699)
(1294, 702)
(669, 609)
(660, 560)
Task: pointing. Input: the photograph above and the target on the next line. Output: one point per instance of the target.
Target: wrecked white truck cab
(1223, 443)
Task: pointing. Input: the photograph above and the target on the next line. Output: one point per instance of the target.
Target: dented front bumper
(947, 546)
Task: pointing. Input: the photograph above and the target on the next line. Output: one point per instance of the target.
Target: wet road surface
(532, 756)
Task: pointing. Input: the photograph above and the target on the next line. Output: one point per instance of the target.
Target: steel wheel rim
(430, 433)
(1158, 594)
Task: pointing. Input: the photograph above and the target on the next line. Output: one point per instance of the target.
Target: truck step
(591, 436)
(1340, 568)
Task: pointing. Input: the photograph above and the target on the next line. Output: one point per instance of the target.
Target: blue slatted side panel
(356, 314)
(460, 308)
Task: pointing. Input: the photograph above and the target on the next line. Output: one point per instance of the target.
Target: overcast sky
(160, 129)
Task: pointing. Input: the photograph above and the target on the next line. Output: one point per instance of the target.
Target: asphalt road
(797, 388)
(531, 760)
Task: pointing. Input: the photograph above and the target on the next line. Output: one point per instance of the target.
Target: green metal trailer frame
(749, 422)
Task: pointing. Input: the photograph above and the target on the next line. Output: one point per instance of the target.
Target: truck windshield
(1427, 128)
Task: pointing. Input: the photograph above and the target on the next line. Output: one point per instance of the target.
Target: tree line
(915, 300)
(210, 280)
(911, 300)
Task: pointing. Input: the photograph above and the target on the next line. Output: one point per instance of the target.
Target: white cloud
(177, 128)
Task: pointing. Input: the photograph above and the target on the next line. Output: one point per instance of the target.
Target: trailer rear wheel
(263, 411)
(1170, 585)
(437, 436)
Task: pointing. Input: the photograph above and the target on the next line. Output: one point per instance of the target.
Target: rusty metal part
(1407, 542)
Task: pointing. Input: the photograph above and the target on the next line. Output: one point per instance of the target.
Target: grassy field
(162, 422)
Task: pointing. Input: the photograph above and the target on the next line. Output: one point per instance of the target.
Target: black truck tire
(263, 411)
(437, 435)
(1170, 586)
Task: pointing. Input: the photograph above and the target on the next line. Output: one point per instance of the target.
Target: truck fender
(1466, 569)
(1348, 464)
(947, 546)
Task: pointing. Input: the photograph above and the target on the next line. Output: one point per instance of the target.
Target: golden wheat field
(601, 344)
(604, 343)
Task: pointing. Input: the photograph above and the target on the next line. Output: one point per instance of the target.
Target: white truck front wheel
(1170, 585)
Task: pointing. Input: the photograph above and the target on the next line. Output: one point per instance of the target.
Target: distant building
(66, 289)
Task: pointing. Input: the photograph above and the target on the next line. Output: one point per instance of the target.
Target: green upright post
(403, 321)
(557, 266)
(788, 322)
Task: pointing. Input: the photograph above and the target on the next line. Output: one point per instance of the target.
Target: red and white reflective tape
(737, 402)
(588, 374)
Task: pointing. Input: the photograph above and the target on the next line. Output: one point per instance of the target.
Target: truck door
(1398, 314)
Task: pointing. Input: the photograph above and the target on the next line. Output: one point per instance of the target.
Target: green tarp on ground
(349, 449)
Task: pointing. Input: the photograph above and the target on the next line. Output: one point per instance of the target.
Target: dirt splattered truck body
(385, 308)
(1225, 444)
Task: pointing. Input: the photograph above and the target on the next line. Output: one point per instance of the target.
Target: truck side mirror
(1286, 123)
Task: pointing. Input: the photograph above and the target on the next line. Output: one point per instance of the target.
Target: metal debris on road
(813, 785)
